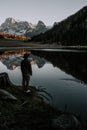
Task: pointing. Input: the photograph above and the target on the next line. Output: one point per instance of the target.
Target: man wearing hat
(26, 72)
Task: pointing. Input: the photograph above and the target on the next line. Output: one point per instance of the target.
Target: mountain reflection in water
(63, 74)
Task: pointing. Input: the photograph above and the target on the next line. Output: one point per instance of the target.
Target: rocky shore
(29, 111)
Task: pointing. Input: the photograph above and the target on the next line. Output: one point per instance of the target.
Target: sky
(48, 11)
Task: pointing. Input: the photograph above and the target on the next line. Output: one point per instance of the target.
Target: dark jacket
(26, 67)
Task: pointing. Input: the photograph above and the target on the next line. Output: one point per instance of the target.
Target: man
(26, 72)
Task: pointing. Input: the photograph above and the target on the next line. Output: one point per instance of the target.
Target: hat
(26, 55)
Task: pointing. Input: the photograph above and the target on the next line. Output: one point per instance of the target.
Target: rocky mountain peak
(40, 23)
(10, 21)
(12, 26)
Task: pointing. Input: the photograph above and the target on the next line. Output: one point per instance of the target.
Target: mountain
(11, 26)
(39, 28)
(71, 31)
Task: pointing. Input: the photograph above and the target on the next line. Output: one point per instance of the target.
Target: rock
(66, 122)
(4, 95)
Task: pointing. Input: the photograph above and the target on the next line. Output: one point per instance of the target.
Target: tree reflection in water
(73, 63)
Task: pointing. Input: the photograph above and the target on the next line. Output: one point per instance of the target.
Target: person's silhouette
(26, 72)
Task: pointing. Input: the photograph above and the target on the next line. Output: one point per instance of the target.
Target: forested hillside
(71, 31)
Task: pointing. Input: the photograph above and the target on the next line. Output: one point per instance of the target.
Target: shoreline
(31, 111)
(7, 44)
(20, 110)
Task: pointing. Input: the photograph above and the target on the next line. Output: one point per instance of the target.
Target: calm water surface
(63, 74)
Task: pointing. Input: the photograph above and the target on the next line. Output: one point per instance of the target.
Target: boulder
(66, 122)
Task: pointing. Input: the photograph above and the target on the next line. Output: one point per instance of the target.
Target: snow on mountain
(39, 28)
(12, 26)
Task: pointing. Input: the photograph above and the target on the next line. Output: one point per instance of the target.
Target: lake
(62, 72)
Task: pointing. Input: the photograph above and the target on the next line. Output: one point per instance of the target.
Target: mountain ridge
(70, 31)
(12, 26)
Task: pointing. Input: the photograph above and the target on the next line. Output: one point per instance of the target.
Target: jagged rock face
(9, 21)
(12, 26)
(40, 25)
(39, 28)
